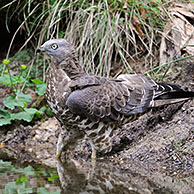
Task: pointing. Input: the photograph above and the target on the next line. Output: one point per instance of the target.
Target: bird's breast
(57, 91)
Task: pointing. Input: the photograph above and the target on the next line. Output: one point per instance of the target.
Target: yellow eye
(54, 46)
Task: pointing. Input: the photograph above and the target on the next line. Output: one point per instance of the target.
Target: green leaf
(8, 167)
(31, 111)
(4, 113)
(53, 177)
(23, 97)
(26, 115)
(17, 79)
(40, 89)
(37, 81)
(49, 112)
(19, 100)
(5, 79)
(10, 188)
(22, 179)
(13, 188)
(29, 170)
(42, 190)
(22, 116)
(40, 86)
(5, 167)
(43, 109)
(34, 111)
(5, 121)
(10, 102)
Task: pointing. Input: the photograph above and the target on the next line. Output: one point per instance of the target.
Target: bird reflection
(104, 177)
(73, 176)
(107, 177)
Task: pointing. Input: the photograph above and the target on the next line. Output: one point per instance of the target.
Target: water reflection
(27, 178)
(129, 176)
(82, 177)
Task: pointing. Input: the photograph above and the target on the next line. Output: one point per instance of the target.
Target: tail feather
(169, 93)
(163, 88)
(168, 101)
(176, 94)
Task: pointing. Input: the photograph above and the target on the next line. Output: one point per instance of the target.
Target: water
(27, 178)
(115, 175)
(84, 177)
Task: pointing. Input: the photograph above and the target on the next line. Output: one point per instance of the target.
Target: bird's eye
(54, 46)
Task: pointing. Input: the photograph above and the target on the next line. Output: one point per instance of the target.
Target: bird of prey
(93, 106)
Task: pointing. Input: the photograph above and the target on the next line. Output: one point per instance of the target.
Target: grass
(106, 33)
(157, 70)
(112, 33)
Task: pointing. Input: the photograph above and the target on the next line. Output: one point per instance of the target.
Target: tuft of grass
(158, 70)
(107, 33)
(114, 32)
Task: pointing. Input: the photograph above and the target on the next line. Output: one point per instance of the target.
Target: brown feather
(90, 103)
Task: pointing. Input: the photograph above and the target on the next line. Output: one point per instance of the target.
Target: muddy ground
(157, 150)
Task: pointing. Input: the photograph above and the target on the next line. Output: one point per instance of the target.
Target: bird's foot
(64, 157)
(93, 154)
(93, 158)
(58, 155)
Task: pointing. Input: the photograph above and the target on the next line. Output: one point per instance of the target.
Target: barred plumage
(94, 106)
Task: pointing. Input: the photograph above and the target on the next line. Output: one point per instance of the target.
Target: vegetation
(110, 35)
(18, 105)
(21, 182)
(105, 32)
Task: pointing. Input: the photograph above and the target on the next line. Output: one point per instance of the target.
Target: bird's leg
(100, 143)
(67, 141)
(93, 156)
(60, 146)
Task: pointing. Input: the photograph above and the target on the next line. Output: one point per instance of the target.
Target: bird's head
(65, 55)
(60, 49)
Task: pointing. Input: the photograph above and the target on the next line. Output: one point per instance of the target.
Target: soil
(154, 154)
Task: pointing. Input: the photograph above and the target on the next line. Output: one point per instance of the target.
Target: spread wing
(102, 98)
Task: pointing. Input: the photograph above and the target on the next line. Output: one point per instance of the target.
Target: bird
(94, 106)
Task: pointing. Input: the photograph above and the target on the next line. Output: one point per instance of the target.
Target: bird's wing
(102, 98)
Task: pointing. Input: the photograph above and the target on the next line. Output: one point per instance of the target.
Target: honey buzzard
(94, 106)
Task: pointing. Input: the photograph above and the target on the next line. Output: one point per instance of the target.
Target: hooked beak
(40, 49)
